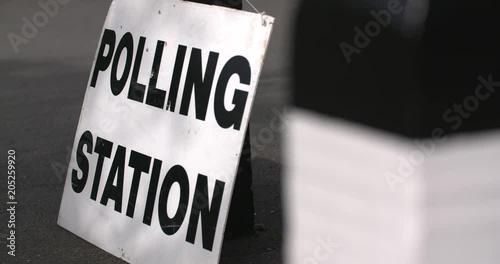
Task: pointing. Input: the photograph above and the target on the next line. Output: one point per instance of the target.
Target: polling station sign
(161, 129)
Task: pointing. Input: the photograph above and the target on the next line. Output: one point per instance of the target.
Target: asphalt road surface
(41, 92)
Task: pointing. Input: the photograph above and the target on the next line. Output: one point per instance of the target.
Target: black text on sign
(199, 78)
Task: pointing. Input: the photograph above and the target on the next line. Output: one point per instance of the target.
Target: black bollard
(397, 74)
(404, 96)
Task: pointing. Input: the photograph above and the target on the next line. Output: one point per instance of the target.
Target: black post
(404, 78)
(240, 221)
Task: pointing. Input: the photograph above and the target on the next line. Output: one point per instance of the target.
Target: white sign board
(161, 129)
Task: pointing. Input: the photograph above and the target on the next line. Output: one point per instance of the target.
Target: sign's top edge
(221, 8)
(267, 18)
